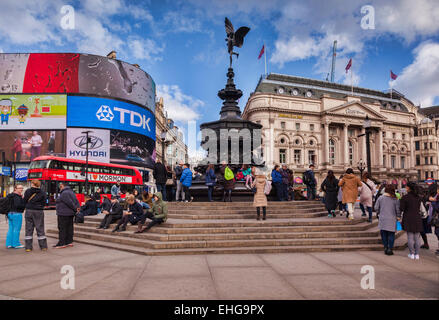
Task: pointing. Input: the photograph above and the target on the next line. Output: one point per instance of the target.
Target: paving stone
(234, 260)
(341, 258)
(177, 266)
(251, 283)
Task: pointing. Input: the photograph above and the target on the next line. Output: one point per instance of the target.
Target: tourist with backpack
(186, 182)
(67, 205)
(310, 181)
(367, 192)
(35, 200)
(228, 181)
(210, 181)
(15, 217)
(260, 197)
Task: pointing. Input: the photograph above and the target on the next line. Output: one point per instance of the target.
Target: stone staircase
(218, 227)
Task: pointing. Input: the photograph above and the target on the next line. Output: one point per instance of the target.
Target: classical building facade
(310, 121)
(160, 128)
(427, 143)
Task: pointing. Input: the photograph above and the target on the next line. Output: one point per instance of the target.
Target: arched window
(331, 151)
(351, 153)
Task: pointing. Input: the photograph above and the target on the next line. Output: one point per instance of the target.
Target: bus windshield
(41, 164)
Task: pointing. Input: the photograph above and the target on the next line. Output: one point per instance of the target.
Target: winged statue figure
(234, 39)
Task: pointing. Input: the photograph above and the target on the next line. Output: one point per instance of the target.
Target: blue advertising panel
(109, 114)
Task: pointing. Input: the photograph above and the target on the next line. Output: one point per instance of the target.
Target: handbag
(170, 182)
(267, 187)
(398, 226)
(422, 211)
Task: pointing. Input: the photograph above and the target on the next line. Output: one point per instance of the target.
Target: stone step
(261, 228)
(234, 236)
(241, 205)
(245, 216)
(399, 245)
(245, 210)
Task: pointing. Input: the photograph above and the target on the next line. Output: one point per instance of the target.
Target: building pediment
(355, 109)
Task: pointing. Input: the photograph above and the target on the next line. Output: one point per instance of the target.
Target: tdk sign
(109, 114)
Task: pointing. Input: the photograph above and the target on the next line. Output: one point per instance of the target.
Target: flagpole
(352, 82)
(265, 57)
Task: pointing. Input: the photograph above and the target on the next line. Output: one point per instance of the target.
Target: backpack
(79, 217)
(267, 188)
(228, 174)
(5, 205)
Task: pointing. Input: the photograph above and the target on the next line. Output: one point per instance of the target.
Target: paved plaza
(110, 274)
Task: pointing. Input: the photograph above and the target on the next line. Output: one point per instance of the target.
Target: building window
(351, 132)
(282, 155)
(297, 126)
(425, 146)
(418, 160)
(331, 151)
(332, 131)
(403, 136)
(417, 147)
(415, 132)
(426, 175)
(394, 135)
(426, 160)
(311, 127)
(431, 160)
(402, 162)
(384, 161)
(282, 125)
(393, 162)
(419, 174)
(297, 156)
(311, 157)
(384, 134)
(351, 153)
(431, 145)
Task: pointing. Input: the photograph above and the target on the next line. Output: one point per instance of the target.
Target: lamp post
(87, 139)
(367, 126)
(361, 166)
(163, 138)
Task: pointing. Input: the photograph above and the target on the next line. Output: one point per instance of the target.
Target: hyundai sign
(98, 146)
(109, 114)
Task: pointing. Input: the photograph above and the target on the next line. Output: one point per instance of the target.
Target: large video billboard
(103, 113)
(98, 146)
(23, 146)
(29, 112)
(75, 73)
(132, 149)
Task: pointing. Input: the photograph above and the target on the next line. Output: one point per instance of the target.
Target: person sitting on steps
(112, 213)
(133, 215)
(157, 214)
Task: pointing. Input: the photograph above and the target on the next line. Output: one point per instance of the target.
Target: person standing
(17, 149)
(410, 205)
(367, 192)
(310, 182)
(112, 213)
(115, 190)
(160, 175)
(15, 217)
(210, 181)
(285, 182)
(430, 201)
(66, 207)
(228, 180)
(349, 185)
(387, 209)
(330, 187)
(276, 179)
(35, 200)
(36, 141)
(178, 171)
(260, 199)
(186, 182)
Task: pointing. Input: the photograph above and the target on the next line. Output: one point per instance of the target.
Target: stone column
(326, 142)
(380, 148)
(412, 151)
(345, 145)
(363, 145)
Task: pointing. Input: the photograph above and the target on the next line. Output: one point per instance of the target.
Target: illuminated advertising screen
(98, 146)
(22, 111)
(131, 149)
(92, 112)
(23, 146)
(76, 73)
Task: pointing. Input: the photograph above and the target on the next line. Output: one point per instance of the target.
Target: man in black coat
(66, 207)
(160, 175)
(114, 213)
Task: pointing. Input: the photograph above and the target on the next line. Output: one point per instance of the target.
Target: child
(247, 172)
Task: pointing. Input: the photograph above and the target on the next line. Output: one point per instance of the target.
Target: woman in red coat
(17, 149)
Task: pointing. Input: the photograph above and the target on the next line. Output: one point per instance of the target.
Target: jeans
(279, 190)
(369, 210)
(187, 193)
(209, 192)
(388, 238)
(284, 192)
(310, 192)
(179, 195)
(65, 228)
(109, 219)
(153, 222)
(162, 188)
(350, 209)
(413, 242)
(15, 220)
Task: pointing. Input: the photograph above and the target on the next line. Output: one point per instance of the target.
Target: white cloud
(180, 107)
(419, 81)
(145, 49)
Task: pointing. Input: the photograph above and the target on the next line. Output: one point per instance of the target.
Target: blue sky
(181, 43)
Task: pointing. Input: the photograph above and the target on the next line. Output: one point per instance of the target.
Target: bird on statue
(234, 39)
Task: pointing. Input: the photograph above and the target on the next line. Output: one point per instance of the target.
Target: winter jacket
(309, 178)
(115, 190)
(350, 184)
(66, 204)
(260, 199)
(285, 176)
(210, 177)
(37, 202)
(178, 171)
(366, 193)
(17, 202)
(136, 210)
(90, 208)
(411, 218)
(106, 204)
(387, 209)
(116, 210)
(160, 174)
(247, 172)
(276, 177)
(330, 187)
(159, 208)
(186, 177)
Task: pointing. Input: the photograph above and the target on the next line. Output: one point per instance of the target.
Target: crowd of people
(415, 212)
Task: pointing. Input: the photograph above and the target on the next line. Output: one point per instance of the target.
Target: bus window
(41, 164)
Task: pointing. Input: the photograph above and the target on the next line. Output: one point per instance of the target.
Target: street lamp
(163, 138)
(367, 126)
(87, 139)
(361, 166)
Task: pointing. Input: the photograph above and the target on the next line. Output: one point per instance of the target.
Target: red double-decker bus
(52, 170)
